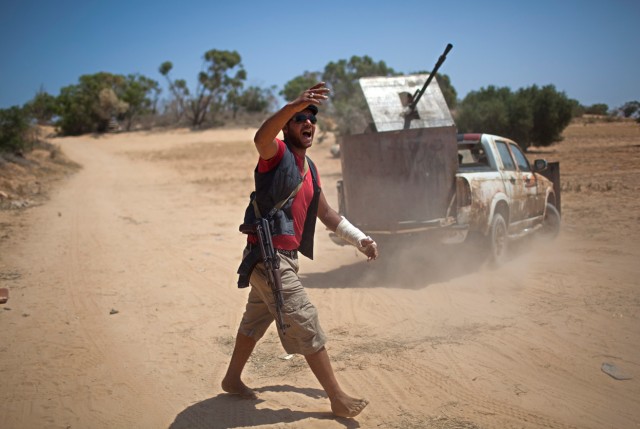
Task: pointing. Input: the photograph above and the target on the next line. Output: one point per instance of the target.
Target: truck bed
(398, 180)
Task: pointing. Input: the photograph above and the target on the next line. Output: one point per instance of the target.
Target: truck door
(532, 204)
(513, 184)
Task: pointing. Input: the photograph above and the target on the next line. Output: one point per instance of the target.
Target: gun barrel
(414, 103)
(279, 301)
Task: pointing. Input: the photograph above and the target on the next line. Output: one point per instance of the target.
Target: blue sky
(588, 49)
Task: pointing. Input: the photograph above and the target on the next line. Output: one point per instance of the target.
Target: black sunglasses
(301, 117)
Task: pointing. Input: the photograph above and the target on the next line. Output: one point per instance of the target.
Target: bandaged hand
(357, 238)
(369, 248)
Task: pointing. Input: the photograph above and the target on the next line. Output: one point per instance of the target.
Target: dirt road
(123, 305)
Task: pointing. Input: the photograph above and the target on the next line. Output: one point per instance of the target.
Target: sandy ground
(123, 305)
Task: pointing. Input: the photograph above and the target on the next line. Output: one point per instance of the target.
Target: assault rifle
(271, 262)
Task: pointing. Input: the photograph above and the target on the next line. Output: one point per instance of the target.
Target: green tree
(219, 84)
(531, 116)
(348, 107)
(255, 99)
(552, 112)
(448, 91)
(597, 109)
(485, 110)
(298, 84)
(14, 129)
(90, 105)
(97, 99)
(224, 77)
(577, 109)
(630, 108)
(178, 89)
(141, 95)
(42, 107)
(520, 118)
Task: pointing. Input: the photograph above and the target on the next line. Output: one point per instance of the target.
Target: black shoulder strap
(314, 172)
(247, 265)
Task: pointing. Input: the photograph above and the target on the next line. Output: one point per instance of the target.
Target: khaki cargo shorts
(303, 335)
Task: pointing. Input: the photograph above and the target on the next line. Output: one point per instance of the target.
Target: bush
(14, 130)
(532, 116)
(597, 109)
(42, 107)
(97, 99)
(631, 109)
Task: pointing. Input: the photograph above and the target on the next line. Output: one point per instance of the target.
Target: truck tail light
(463, 192)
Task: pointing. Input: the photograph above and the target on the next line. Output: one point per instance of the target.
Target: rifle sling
(247, 265)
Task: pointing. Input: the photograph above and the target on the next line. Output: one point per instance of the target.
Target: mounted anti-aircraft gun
(410, 112)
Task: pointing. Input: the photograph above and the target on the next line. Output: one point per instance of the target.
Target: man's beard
(296, 142)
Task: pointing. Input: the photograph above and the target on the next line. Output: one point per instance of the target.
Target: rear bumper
(439, 230)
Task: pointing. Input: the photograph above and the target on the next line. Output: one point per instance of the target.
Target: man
(292, 209)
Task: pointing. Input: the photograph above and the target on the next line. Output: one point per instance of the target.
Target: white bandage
(350, 233)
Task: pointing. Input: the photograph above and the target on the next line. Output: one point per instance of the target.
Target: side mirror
(540, 165)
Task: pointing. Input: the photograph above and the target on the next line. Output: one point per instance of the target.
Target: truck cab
(495, 180)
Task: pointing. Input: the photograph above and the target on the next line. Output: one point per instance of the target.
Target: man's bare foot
(238, 388)
(346, 406)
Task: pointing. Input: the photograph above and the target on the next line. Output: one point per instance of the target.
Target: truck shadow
(415, 267)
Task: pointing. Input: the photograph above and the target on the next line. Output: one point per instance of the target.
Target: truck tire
(551, 222)
(498, 240)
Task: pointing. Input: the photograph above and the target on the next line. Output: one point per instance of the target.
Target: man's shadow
(230, 411)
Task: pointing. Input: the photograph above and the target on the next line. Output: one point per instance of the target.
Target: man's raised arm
(268, 131)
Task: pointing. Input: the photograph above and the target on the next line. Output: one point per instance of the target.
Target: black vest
(276, 185)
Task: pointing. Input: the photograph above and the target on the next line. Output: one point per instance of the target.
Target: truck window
(473, 156)
(507, 161)
(521, 160)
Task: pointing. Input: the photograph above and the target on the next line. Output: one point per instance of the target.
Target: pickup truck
(432, 182)
(500, 195)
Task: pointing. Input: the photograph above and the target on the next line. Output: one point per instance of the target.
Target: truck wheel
(551, 222)
(498, 240)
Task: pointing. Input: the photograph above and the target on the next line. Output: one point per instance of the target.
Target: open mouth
(307, 133)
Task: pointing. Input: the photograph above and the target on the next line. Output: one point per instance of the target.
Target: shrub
(14, 129)
(531, 116)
